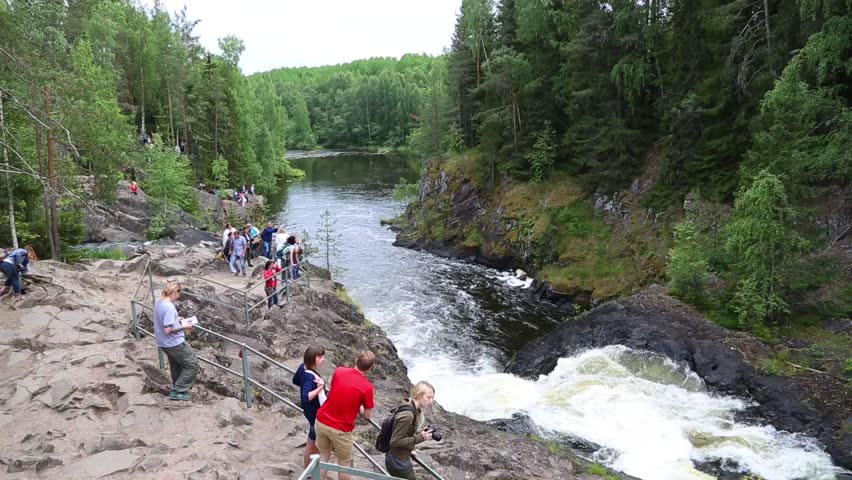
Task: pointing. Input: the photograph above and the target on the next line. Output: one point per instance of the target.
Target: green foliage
(762, 243)
(601, 471)
(778, 364)
(543, 155)
(159, 226)
(220, 173)
(405, 190)
(94, 253)
(688, 264)
(169, 179)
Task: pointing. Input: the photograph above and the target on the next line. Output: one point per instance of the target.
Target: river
(456, 324)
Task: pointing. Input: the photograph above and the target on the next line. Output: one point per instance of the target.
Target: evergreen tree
(762, 244)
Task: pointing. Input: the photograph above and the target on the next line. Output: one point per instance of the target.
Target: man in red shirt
(351, 393)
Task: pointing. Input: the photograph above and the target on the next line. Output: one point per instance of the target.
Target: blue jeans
(13, 277)
(267, 249)
(238, 263)
(272, 294)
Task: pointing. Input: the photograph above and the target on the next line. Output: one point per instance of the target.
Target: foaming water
(456, 325)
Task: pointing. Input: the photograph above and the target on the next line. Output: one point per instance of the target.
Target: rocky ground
(810, 401)
(80, 398)
(126, 219)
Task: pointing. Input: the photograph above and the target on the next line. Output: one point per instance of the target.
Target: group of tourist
(283, 251)
(331, 418)
(14, 263)
(241, 196)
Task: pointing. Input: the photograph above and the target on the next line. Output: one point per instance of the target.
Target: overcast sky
(295, 33)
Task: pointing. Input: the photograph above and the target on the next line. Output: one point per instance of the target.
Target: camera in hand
(436, 435)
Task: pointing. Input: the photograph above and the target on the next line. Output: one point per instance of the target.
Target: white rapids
(653, 417)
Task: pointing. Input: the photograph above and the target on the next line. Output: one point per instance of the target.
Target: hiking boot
(244, 274)
(174, 395)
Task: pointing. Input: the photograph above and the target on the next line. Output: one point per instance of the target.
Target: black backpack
(384, 438)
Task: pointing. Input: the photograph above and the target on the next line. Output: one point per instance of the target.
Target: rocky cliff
(126, 219)
(580, 252)
(80, 398)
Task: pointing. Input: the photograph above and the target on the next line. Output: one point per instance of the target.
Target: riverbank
(586, 253)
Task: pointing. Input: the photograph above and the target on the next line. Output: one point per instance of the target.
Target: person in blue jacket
(313, 394)
(266, 236)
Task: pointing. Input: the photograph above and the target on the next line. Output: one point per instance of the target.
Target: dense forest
(739, 107)
(80, 80)
(366, 103)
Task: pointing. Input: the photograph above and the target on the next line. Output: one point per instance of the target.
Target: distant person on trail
(134, 189)
(266, 236)
(170, 337)
(351, 394)
(285, 254)
(408, 431)
(228, 249)
(251, 190)
(253, 238)
(271, 287)
(313, 394)
(238, 254)
(279, 241)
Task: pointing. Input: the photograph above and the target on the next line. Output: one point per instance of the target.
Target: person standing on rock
(313, 394)
(351, 393)
(266, 236)
(171, 338)
(134, 188)
(238, 254)
(408, 431)
(271, 286)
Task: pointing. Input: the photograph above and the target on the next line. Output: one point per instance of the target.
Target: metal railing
(288, 278)
(316, 467)
(248, 381)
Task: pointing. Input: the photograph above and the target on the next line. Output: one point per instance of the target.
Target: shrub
(688, 264)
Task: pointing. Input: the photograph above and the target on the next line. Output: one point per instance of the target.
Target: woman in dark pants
(313, 394)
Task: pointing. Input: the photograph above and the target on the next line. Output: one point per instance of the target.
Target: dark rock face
(814, 404)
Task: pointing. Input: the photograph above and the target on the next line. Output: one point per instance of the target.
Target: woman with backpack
(313, 394)
(408, 431)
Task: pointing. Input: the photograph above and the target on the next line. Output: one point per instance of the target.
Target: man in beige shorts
(351, 393)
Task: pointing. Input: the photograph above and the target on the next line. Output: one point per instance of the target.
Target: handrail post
(135, 320)
(245, 306)
(246, 383)
(162, 360)
(307, 276)
(317, 473)
(151, 284)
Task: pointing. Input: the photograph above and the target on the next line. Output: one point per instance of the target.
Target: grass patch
(554, 447)
(474, 239)
(601, 471)
(343, 295)
(779, 365)
(95, 253)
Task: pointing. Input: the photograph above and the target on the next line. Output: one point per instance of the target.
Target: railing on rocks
(137, 307)
(284, 290)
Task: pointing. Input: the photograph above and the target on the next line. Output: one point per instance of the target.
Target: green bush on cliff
(688, 264)
(543, 155)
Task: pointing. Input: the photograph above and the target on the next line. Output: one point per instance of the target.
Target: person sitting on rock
(171, 339)
(408, 431)
(351, 394)
(313, 394)
(134, 188)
